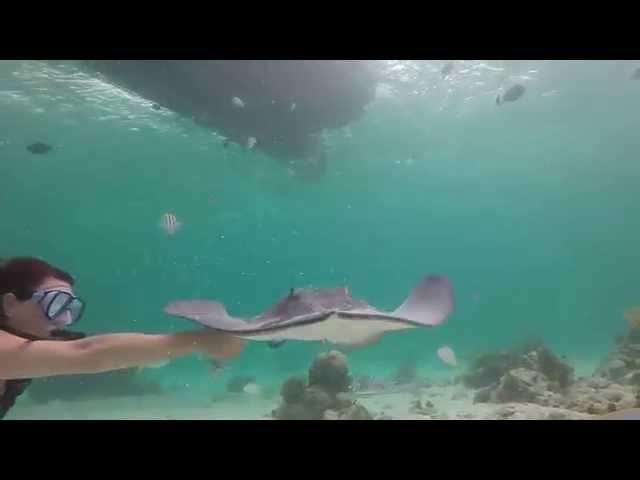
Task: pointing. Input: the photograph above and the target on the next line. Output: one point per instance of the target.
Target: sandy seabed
(446, 403)
(450, 402)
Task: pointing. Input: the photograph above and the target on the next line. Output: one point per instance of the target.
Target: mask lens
(75, 309)
(59, 301)
(62, 320)
(45, 299)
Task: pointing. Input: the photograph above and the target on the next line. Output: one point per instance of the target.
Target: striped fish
(169, 223)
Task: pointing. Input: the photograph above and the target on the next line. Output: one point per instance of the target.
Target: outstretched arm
(21, 358)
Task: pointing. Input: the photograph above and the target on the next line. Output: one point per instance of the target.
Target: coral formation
(598, 396)
(331, 372)
(539, 377)
(325, 396)
(531, 373)
(528, 382)
(487, 369)
(293, 389)
(623, 364)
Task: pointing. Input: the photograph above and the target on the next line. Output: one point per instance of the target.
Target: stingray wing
(206, 312)
(429, 304)
(214, 315)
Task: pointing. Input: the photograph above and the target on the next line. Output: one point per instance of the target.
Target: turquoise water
(530, 208)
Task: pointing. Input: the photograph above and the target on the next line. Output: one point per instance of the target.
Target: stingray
(326, 315)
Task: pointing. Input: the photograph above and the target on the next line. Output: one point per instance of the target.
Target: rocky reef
(529, 381)
(531, 373)
(324, 395)
(623, 364)
(535, 375)
(598, 396)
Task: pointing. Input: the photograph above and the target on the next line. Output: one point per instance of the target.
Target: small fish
(293, 107)
(155, 106)
(170, 224)
(448, 356)
(226, 142)
(251, 142)
(632, 315)
(237, 102)
(39, 148)
(636, 74)
(252, 389)
(511, 95)
(447, 69)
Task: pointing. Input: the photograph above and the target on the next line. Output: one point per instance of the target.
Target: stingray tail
(430, 303)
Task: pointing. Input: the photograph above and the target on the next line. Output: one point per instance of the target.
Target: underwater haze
(530, 207)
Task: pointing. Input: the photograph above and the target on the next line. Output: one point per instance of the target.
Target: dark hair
(22, 276)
